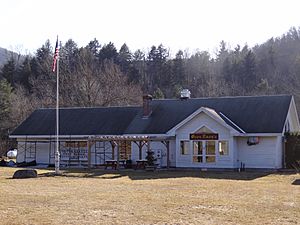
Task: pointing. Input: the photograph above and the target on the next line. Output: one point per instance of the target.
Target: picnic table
(113, 163)
(141, 164)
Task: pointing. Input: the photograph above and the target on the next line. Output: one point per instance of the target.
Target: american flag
(55, 57)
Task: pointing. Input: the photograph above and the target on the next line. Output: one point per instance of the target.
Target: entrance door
(210, 151)
(204, 151)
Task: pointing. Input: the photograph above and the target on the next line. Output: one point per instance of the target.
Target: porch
(110, 151)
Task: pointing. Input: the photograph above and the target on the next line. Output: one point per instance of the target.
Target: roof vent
(185, 94)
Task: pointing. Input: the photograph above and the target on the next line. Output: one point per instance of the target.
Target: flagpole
(57, 156)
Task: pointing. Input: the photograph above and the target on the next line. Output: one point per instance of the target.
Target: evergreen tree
(5, 104)
(68, 56)
(138, 75)
(43, 61)
(179, 76)
(157, 69)
(249, 72)
(25, 73)
(158, 94)
(94, 47)
(125, 59)
(9, 71)
(108, 52)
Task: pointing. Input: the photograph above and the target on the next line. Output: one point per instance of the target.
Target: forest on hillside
(101, 75)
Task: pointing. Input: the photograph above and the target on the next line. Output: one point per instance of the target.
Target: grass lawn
(139, 197)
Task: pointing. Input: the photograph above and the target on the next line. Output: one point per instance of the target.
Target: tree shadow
(158, 174)
(85, 173)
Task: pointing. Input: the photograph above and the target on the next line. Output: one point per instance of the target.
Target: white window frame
(210, 155)
(188, 147)
(228, 149)
(198, 155)
(204, 153)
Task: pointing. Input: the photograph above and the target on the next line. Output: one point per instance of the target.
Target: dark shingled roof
(78, 121)
(253, 114)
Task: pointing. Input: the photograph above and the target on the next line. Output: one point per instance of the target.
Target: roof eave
(151, 136)
(257, 134)
(207, 112)
(291, 106)
(47, 136)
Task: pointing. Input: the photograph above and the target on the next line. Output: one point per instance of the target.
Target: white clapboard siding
(42, 153)
(266, 154)
(193, 126)
(160, 152)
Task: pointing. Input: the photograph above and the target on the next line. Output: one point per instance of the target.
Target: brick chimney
(146, 106)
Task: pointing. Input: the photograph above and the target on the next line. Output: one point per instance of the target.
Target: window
(205, 130)
(74, 150)
(223, 148)
(210, 152)
(197, 151)
(184, 147)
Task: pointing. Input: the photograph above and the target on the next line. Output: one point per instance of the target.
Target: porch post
(167, 145)
(25, 149)
(112, 150)
(140, 145)
(50, 150)
(168, 153)
(89, 153)
(148, 145)
(118, 155)
(140, 150)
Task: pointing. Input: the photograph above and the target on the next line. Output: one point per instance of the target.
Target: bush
(150, 158)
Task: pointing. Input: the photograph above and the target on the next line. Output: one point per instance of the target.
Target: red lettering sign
(203, 136)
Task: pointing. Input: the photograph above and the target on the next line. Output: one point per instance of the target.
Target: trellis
(139, 140)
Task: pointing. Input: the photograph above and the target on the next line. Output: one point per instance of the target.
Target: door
(161, 156)
(204, 151)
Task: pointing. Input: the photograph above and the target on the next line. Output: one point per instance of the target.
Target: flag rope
(55, 66)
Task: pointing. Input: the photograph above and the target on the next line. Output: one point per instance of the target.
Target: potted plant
(150, 161)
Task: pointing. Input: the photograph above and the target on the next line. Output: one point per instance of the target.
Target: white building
(226, 132)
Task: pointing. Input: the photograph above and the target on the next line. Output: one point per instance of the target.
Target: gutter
(151, 136)
(258, 134)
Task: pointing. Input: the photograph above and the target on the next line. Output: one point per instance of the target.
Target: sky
(177, 24)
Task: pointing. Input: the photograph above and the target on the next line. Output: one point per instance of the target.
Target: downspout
(283, 151)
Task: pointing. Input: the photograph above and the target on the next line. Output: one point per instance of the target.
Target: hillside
(99, 74)
(4, 54)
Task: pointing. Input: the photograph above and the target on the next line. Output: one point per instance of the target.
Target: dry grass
(138, 197)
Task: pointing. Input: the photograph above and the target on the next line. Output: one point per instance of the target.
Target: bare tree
(22, 105)
(94, 85)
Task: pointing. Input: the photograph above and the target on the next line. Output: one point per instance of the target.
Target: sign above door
(204, 136)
